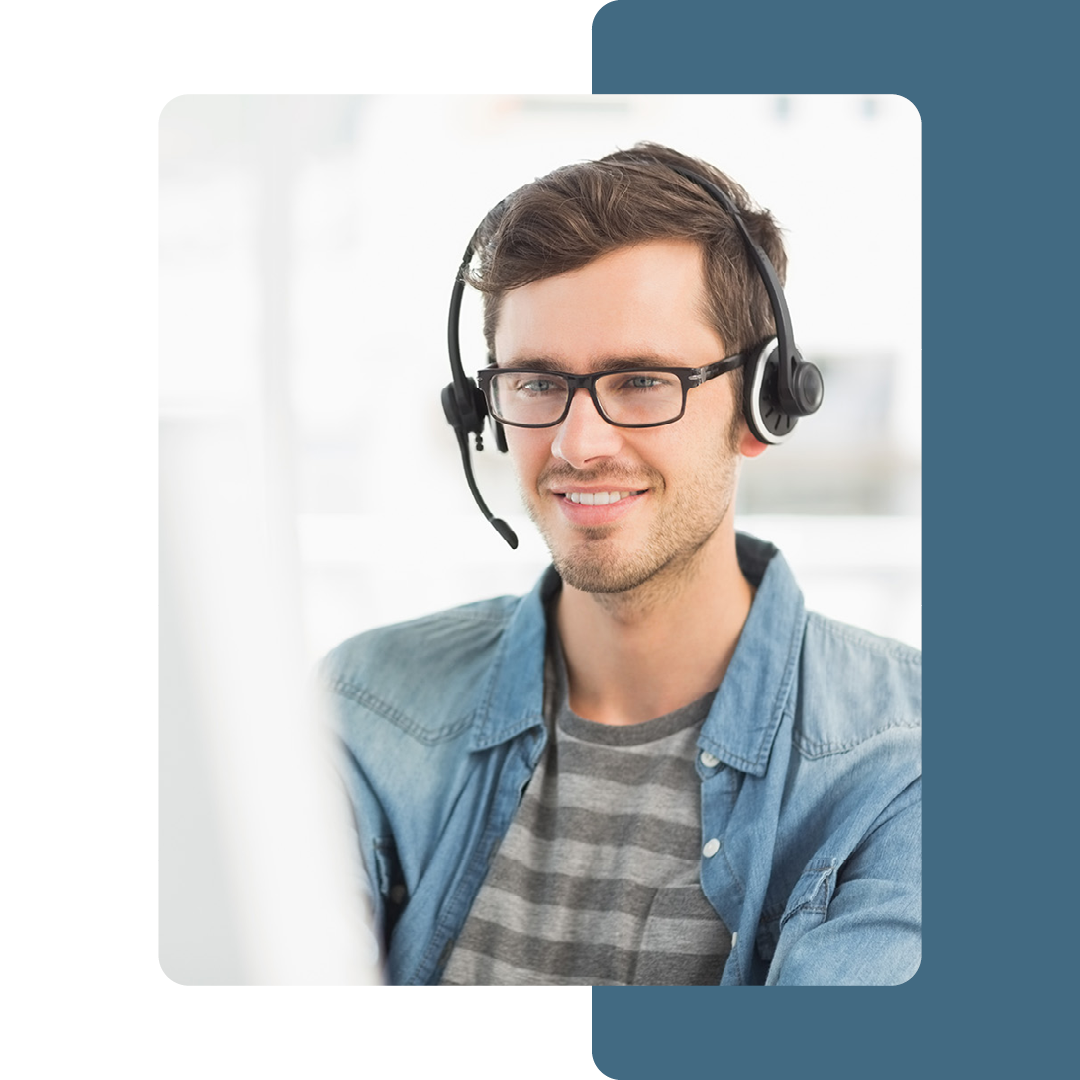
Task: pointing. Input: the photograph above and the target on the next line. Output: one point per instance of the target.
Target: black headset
(779, 386)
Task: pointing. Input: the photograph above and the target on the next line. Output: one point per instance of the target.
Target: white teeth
(596, 498)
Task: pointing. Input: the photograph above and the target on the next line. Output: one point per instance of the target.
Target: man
(657, 767)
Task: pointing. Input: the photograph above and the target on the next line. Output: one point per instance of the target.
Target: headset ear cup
(768, 423)
(450, 408)
(469, 418)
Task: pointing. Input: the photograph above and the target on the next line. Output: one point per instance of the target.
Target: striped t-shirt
(597, 881)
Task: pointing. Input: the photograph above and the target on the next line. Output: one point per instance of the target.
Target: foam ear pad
(809, 388)
(768, 423)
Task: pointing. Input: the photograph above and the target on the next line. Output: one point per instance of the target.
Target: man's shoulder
(856, 686)
(453, 631)
(422, 675)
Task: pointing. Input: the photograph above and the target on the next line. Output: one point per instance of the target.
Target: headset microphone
(501, 527)
(465, 407)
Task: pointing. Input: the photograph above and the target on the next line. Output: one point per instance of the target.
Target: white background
(315, 238)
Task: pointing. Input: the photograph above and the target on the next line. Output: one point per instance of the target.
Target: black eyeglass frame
(689, 378)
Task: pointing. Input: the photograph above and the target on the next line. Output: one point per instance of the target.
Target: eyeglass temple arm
(729, 363)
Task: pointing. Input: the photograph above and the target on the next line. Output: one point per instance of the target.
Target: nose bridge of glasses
(585, 394)
(584, 433)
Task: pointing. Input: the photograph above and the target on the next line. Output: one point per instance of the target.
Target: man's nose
(584, 435)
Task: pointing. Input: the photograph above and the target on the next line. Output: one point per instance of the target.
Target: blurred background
(311, 488)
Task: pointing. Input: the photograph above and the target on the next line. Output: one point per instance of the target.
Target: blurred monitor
(259, 882)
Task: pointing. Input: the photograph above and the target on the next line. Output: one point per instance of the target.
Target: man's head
(623, 263)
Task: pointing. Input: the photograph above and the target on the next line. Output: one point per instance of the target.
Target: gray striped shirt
(598, 878)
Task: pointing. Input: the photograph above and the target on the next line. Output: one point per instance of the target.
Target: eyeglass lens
(626, 397)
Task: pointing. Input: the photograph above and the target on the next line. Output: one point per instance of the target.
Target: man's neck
(633, 656)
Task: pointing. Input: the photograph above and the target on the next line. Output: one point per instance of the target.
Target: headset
(779, 386)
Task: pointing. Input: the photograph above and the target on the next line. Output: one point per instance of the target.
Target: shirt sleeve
(859, 922)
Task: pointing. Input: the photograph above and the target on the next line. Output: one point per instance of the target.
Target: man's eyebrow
(614, 363)
(532, 363)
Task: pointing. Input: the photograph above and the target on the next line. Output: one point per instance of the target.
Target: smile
(598, 498)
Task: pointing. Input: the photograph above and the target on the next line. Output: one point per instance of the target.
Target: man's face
(664, 491)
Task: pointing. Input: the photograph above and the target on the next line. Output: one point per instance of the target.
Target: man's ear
(750, 447)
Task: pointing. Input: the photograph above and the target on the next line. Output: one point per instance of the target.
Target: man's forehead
(644, 303)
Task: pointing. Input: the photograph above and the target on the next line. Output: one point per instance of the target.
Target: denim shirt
(809, 762)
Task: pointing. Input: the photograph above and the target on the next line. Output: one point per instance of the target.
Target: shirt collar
(750, 703)
(749, 706)
(513, 698)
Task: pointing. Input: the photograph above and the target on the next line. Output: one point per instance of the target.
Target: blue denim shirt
(809, 764)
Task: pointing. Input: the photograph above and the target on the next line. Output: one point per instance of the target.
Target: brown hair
(565, 220)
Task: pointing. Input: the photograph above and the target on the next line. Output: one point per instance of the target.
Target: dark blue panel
(995, 87)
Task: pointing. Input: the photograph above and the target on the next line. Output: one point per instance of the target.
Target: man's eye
(643, 381)
(535, 386)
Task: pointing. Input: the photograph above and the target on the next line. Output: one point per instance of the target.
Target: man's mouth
(598, 498)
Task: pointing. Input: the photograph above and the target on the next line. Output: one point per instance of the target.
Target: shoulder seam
(811, 750)
(426, 735)
(883, 646)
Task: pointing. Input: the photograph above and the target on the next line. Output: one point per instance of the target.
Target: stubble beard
(667, 557)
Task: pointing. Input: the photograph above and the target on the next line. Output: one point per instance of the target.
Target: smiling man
(656, 768)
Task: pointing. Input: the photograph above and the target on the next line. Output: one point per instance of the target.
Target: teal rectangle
(993, 86)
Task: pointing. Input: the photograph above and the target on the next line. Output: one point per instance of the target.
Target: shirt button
(709, 760)
(711, 848)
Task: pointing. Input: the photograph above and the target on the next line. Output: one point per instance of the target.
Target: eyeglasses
(629, 397)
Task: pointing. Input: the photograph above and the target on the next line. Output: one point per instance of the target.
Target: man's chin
(596, 571)
(596, 559)
(593, 579)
